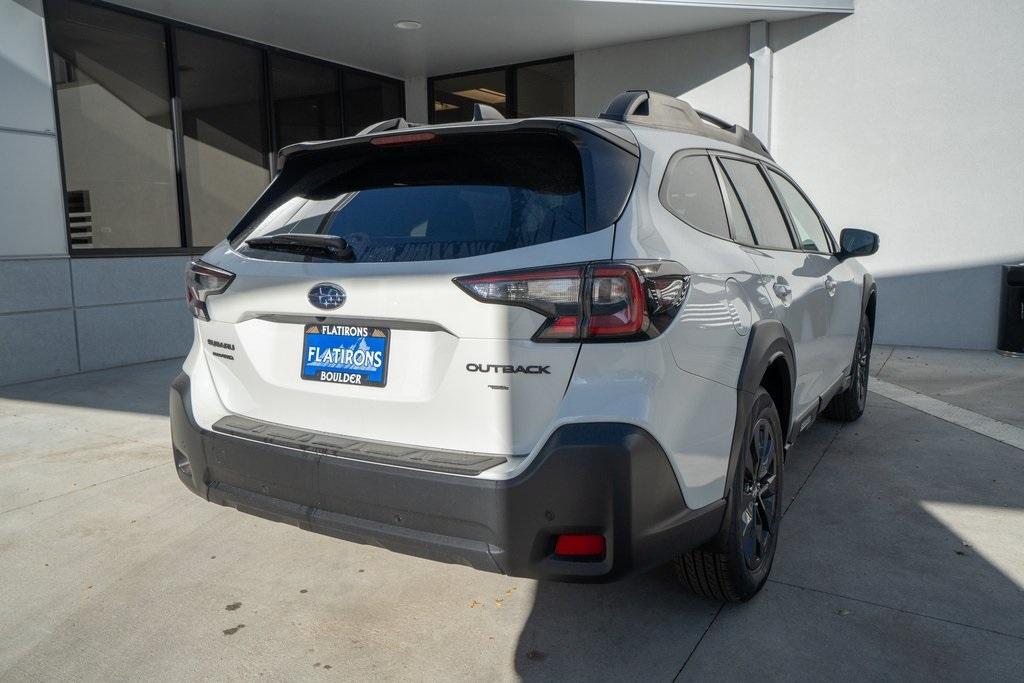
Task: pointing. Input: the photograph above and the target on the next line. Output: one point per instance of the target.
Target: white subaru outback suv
(559, 348)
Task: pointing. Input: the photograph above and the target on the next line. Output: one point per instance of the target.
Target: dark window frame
(832, 244)
(764, 167)
(168, 25)
(511, 105)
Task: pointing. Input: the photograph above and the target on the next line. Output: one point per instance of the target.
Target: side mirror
(854, 243)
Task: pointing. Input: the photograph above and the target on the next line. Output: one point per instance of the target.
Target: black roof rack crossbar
(648, 108)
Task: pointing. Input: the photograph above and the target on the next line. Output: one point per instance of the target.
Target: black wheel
(849, 405)
(736, 566)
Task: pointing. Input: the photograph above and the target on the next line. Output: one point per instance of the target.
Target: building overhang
(459, 35)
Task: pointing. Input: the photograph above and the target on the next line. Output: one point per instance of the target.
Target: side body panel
(692, 411)
(805, 311)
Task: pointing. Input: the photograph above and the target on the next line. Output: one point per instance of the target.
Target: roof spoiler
(658, 110)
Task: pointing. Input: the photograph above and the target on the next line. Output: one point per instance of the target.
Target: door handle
(782, 288)
(831, 286)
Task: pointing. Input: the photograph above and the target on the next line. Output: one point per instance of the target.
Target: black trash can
(1011, 311)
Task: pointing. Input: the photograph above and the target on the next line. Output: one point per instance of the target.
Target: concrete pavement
(901, 556)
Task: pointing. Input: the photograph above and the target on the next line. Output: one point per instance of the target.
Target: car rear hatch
(368, 336)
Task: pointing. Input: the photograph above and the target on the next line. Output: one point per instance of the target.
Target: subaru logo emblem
(327, 296)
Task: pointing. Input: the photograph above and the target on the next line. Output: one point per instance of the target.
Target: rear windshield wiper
(324, 246)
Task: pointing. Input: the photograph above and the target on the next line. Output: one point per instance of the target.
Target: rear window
(452, 197)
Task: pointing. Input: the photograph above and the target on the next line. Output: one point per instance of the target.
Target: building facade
(134, 135)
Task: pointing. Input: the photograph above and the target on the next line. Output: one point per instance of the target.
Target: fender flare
(769, 340)
(868, 290)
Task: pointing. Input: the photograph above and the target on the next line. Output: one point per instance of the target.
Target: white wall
(707, 69)
(903, 118)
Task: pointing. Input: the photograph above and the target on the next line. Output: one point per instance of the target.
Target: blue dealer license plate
(345, 354)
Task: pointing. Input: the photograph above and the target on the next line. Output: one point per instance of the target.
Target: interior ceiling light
(408, 25)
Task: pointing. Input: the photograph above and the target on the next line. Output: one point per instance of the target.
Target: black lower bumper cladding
(599, 478)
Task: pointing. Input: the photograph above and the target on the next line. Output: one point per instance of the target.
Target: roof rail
(389, 124)
(648, 108)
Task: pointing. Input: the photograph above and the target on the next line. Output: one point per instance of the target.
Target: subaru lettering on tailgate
(345, 354)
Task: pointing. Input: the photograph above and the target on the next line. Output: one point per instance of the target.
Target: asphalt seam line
(961, 417)
(699, 641)
(84, 488)
(896, 609)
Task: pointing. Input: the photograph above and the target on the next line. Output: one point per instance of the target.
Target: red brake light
(406, 139)
(580, 545)
(594, 301)
(616, 302)
(202, 280)
(552, 292)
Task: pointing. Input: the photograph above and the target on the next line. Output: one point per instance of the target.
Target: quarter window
(763, 211)
(690, 191)
(808, 226)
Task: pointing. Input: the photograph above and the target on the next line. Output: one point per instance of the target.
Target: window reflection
(307, 100)
(454, 97)
(113, 100)
(225, 131)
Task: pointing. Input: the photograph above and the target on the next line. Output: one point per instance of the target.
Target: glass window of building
(113, 100)
(517, 91)
(306, 100)
(545, 89)
(454, 97)
(224, 129)
(368, 100)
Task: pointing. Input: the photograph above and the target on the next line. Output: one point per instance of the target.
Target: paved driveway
(901, 557)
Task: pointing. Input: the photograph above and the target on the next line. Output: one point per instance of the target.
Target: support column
(760, 82)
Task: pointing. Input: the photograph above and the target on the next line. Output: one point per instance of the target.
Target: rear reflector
(579, 545)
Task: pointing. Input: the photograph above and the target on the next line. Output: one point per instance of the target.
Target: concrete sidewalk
(902, 556)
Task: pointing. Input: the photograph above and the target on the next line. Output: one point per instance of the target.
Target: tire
(849, 405)
(735, 566)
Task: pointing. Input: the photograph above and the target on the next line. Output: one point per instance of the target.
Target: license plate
(345, 354)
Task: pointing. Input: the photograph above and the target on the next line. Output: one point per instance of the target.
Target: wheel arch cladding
(769, 357)
(869, 299)
(770, 362)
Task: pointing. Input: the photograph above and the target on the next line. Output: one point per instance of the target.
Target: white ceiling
(459, 35)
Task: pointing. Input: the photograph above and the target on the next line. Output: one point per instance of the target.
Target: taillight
(201, 281)
(591, 301)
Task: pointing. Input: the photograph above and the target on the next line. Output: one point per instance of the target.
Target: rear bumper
(606, 478)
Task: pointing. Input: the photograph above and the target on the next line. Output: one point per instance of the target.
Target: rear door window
(762, 210)
(809, 230)
(452, 196)
(690, 191)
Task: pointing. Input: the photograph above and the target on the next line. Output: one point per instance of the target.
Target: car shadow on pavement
(635, 627)
(901, 551)
(141, 388)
